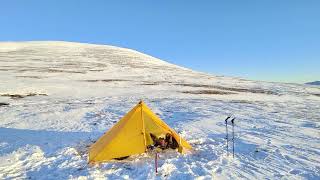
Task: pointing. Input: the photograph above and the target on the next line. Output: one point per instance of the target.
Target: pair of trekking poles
(227, 135)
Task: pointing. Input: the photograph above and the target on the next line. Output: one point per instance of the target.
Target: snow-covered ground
(57, 97)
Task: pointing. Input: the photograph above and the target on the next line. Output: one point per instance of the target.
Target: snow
(72, 93)
(315, 83)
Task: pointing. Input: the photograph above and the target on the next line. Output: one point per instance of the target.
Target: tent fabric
(131, 135)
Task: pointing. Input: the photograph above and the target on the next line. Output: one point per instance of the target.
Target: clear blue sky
(273, 40)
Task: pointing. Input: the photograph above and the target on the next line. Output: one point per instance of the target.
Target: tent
(131, 135)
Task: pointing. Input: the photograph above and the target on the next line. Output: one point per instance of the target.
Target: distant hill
(314, 83)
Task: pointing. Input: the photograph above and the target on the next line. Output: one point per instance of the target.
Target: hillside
(56, 98)
(314, 83)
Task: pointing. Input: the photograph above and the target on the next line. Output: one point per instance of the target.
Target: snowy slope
(316, 83)
(57, 97)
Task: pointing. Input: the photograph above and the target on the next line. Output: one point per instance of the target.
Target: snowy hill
(314, 83)
(58, 97)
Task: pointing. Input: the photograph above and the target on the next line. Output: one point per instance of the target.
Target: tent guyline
(133, 134)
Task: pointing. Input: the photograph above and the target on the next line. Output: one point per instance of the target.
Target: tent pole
(143, 129)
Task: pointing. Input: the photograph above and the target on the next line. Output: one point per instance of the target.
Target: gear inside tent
(133, 135)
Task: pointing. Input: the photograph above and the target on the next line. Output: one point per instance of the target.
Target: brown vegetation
(105, 80)
(33, 77)
(4, 104)
(261, 91)
(19, 96)
(208, 92)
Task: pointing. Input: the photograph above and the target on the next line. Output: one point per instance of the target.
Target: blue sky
(271, 40)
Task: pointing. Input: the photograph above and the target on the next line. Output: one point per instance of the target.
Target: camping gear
(232, 122)
(131, 135)
(227, 139)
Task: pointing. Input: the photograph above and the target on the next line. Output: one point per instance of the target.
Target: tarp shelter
(131, 135)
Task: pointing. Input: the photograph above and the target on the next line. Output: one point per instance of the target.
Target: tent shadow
(58, 148)
(49, 141)
(242, 148)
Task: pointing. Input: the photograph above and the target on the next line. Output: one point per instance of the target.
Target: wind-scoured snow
(56, 98)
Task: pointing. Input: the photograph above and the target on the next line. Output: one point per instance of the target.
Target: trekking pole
(232, 121)
(226, 120)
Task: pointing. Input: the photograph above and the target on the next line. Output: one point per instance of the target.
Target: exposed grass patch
(105, 80)
(194, 85)
(62, 71)
(4, 104)
(33, 77)
(7, 69)
(208, 92)
(96, 70)
(19, 96)
(242, 101)
(150, 84)
(260, 91)
(316, 95)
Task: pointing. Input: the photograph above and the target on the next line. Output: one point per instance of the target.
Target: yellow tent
(131, 135)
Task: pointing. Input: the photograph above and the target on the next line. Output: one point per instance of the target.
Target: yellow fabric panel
(164, 126)
(123, 139)
(152, 127)
(131, 135)
(130, 140)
